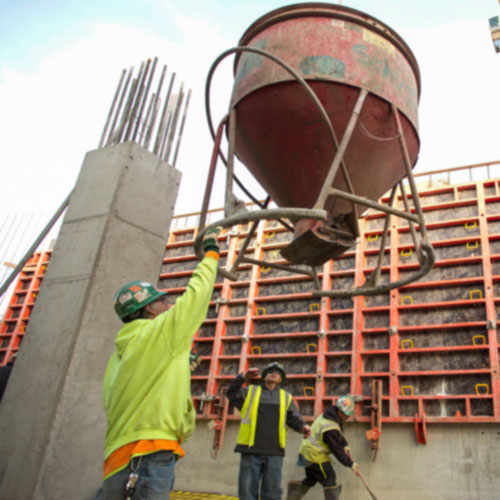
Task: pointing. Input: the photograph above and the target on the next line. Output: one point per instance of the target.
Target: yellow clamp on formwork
(479, 337)
(403, 298)
(470, 225)
(471, 245)
(264, 269)
(274, 255)
(372, 237)
(314, 347)
(256, 349)
(475, 292)
(406, 252)
(44, 267)
(260, 309)
(403, 390)
(308, 391)
(407, 341)
(314, 306)
(485, 386)
(35, 294)
(271, 235)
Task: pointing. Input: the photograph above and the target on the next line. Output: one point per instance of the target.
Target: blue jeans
(156, 478)
(263, 470)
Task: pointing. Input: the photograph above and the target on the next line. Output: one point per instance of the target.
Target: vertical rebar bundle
(135, 113)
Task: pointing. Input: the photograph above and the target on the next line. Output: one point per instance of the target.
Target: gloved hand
(355, 468)
(209, 241)
(251, 374)
(306, 431)
(348, 451)
(194, 360)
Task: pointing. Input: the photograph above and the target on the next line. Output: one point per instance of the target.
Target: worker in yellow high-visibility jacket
(265, 411)
(147, 385)
(327, 436)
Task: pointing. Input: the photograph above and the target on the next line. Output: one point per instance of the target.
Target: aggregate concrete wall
(459, 462)
(114, 231)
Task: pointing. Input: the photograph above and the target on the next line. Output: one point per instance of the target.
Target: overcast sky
(60, 62)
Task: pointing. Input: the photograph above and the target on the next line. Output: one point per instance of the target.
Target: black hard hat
(276, 366)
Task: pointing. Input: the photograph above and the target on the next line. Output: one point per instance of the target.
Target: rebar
(119, 108)
(181, 130)
(112, 108)
(34, 246)
(163, 119)
(175, 119)
(134, 114)
(144, 98)
(156, 103)
(137, 97)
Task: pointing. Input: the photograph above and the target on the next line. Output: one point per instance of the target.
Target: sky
(60, 62)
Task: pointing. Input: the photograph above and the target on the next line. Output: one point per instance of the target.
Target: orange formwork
(21, 304)
(433, 344)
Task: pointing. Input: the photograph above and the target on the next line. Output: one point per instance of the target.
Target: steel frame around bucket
(372, 286)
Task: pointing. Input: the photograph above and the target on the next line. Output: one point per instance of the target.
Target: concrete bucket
(306, 75)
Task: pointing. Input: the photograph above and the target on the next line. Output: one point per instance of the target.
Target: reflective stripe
(285, 402)
(322, 470)
(249, 412)
(248, 403)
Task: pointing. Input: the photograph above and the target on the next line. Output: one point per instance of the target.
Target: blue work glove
(209, 241)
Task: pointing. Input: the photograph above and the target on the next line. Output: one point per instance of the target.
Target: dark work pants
(320, 473)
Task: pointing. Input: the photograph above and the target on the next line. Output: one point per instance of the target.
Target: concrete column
(52, 422)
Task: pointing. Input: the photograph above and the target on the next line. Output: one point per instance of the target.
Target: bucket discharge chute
(323, 113)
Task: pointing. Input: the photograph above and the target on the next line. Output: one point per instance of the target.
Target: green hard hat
(134, 296)
(346, 405)
(274, 366)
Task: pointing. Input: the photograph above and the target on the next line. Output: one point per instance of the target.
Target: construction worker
(265, 409)
(327, 436)
(146, 393)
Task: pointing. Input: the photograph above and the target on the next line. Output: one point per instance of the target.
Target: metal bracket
(421, 428)
(374, 433)
(245, 338)
(219, 425)
(234, 232)
(392, 330)
(322, 334)
(220, 302)
(206, 398)
(491, 324)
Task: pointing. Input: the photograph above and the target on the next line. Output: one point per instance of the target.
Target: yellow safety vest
(314, 448)
(249, 411)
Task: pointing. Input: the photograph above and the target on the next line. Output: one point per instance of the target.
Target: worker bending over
(327, 436)
(265, 409)
(147, 385)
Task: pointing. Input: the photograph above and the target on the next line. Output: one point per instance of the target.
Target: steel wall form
(434, 343)
(21, 304)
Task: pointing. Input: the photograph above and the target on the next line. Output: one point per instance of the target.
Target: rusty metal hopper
(280, 134)
(323, 113)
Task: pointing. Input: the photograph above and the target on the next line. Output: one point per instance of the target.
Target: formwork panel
(443, 337)
(449, 272)
(434, 344)
(344, 263)
(285, 345)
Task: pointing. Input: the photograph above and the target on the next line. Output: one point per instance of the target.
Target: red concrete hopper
(280, 134)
